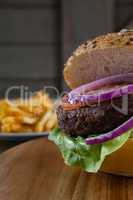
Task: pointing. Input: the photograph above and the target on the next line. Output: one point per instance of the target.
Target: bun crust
(121, 161)
(100, 57)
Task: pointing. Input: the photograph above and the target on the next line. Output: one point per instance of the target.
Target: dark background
(37, 36)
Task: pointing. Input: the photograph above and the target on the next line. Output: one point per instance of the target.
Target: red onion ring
(121, 78)
(112, 134)
(79, 94)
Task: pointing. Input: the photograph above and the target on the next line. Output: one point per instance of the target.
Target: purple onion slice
(112, 134)
(93, 92)
(121, 78)
(103, 95)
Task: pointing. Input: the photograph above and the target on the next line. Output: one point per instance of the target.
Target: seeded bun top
(103, 56)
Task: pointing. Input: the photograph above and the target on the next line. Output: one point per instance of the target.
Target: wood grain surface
(35, 171)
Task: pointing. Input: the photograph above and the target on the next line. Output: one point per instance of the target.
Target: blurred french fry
(33, 114)
(28, 120)
(52, 122)
(8, 124)
(41, 124)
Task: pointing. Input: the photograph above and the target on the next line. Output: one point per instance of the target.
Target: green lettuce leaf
(89, 157)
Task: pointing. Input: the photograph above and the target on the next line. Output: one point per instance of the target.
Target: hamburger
(96, 117)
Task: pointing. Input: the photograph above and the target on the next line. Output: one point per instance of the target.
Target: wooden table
(35, 171)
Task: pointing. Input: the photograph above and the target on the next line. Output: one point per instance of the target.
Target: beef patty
(95, 119)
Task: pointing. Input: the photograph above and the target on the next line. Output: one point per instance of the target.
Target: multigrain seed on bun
(96, 118)
(100, 57)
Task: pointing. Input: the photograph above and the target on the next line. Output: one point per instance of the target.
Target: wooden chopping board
(35, 171)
